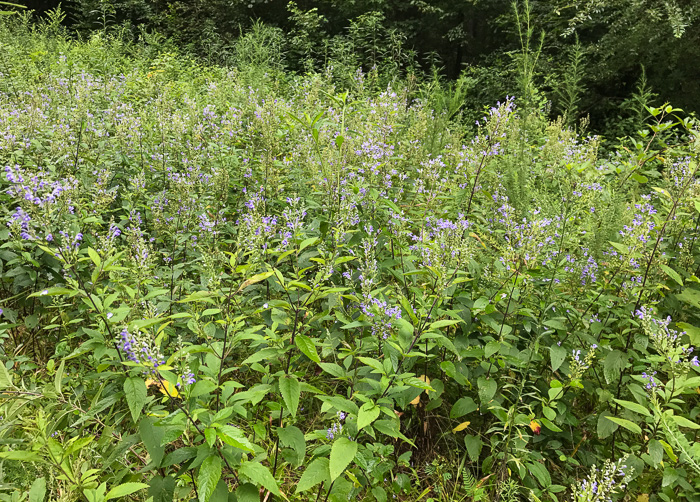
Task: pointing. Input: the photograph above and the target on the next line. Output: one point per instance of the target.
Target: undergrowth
(232, 284)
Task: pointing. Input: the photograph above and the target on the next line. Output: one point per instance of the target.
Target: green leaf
(317, 472)
(247, 492)
(462, 407)
(690, 296)
(5, 378)
(656, 451)
(540, 472)
(220, 492)
(613, 364)
(290, 390)
(620, 247)
(369, 412)
(340, 403)
(672, 273)
(306, 243)
(269, 353)
(38, 490)
(307, 347)
(162, 488)
(605, 427)
(209, 475)
(473, 444)
(487, 389)
(151, 437)
(692, 331)
(94, 257)
(669, 451)
(260, 475)
(372, 363)
(343, 453)
(684, 422)
(557, 355)
(124, 489)
(234, 436)
(554, 324)
(136, 392)
(333, 369)
(21, 455)
(549, 425)
(417, 383)
(630, 426)
(637, 408)
(292, 437)
(491, 348)
(443, 323)
(58, 379)
(54, 292)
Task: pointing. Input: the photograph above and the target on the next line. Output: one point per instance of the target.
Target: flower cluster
(443, 244)
(139, 349)
(651, 383)
(600, 485)
(381, 315)
(293, 216)
(336, 429)
(255, 227)
(580, 365)
(667, 341)
(37, 187)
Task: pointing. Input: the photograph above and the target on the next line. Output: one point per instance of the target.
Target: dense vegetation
(592, 53)
(240, 283)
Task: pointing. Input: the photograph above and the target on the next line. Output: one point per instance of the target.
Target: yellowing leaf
(416, 400)
(472, 234)
(461, 427)
(253, 280)
(536, 427)
(164, 386)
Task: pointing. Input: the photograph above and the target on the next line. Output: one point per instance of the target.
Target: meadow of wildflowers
(226, 284)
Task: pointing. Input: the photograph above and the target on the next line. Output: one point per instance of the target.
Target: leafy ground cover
(226, 284)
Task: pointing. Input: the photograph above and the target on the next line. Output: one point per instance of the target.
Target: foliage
(241, 284)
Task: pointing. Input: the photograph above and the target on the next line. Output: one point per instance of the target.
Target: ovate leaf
(151, 437)
(343, 453)
(124, 489)
(557, 355)
(473, 444)
(290, 390)
(235, 437)
(540, 472)
(613, 364)
(293, 437)
(307, 347)
(462, 407)
(487, 389)
(605, 427)
(209, 475)
(461, 427)
(672, 273)
(369, 412)
(38, 490)
(317, 472)
(259, 474)
(162, 488)
(136, 393)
